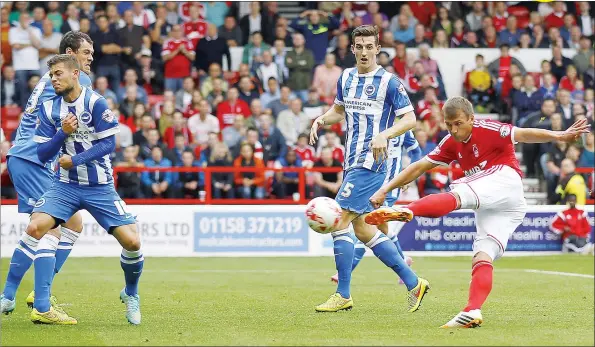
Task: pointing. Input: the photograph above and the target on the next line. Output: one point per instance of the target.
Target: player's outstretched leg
(343, 245)
(69, 233)
(479, 290)
(433, 206)
(132, 262)
(387, 252)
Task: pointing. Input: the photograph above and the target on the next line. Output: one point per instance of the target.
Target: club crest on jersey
(402, 89)
(475, 151)
(85, 118)
(504, 131)
(369, 89)
(460, 155)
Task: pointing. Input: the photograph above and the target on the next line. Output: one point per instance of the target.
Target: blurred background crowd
(167, 72)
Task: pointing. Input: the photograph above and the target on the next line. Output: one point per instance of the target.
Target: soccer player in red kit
(492, 187)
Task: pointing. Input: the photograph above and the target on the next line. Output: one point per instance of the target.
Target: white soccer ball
(323, 215)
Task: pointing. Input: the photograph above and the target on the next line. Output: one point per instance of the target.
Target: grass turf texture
(270, 301)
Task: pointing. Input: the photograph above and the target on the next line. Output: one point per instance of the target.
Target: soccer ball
(323, 215)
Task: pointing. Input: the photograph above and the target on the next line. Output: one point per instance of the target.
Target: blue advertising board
(456, 231)
(250, 231)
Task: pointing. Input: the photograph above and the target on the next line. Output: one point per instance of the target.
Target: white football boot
(471, 319)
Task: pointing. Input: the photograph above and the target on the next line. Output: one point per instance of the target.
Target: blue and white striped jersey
(24, 147)
(95, 122)
(394, 164)
(372, 101)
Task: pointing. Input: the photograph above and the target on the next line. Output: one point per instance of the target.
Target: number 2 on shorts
(347, 190)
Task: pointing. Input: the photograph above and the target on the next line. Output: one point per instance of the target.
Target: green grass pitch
(270, 301)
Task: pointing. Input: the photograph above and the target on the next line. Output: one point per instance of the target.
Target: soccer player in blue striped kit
(376, 108)
(78, 125)
(32, 178)
(408, 142)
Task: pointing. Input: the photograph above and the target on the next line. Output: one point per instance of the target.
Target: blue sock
(21, 261)
(132, 264)
(395, 240)
(343, 245)
(45, 262)
(67, 240)
(387, 252)
(358, 254)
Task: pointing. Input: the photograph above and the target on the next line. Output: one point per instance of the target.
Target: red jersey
(571, 222)
(170, 136)
(424, 108)
(500, 22)
(415, 83)
(306, 153)
(423, 11)
(338, 153)
(226, 112)
(491, 144)
(566, 83)
(178, 66)
(184, 10)
(554, 20)
(194, 31)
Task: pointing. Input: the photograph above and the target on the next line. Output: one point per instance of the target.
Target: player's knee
(466, 196)
(482, 256)
(33, 230)
(132, 243)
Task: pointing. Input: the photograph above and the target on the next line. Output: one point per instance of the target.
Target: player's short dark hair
(73, 40)
(68, 60)
(455, 104)
(365, 31)
(303, 135)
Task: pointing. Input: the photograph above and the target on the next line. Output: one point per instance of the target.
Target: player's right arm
(49, 137)
(410, 174)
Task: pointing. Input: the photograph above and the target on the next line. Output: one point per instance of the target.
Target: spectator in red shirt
(228, 109)
(500, 16)
(500, 68)
(331, 140)
(573, 224)
(424, 106)
(178, 55)
(304, 151)
(196, 27)
(568, 81)
(178, 127)
(399, 62)
(425, 12)
(556, 18)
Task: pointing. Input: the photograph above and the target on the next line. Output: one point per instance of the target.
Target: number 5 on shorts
(347, 190)
(122, 208)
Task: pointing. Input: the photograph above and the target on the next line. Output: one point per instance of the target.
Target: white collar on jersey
(81, 95)
(371, 73)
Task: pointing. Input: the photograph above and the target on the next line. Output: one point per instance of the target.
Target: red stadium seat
(11, 112)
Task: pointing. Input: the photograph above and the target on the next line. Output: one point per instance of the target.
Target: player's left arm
(534, 135)
(404, 118)
(412, 147)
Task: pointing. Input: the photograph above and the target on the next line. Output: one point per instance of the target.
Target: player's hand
(69, 124)
(318, 122)
(575, 131)
(378, 198)
(65, 162)
(379, 147)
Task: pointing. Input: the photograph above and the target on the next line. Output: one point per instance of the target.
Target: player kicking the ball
(376, 108)
(78, 125)
(492, 187)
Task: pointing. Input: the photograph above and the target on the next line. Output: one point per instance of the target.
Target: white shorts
(497, 196)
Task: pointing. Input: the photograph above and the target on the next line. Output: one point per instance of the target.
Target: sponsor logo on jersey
(108, 116)
(369, 89)
(475, 151)
(504, 131)
(85, 118)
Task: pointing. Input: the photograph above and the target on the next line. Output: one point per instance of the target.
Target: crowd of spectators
(165, 69)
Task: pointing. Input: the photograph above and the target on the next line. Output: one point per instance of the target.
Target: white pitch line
(558, 273)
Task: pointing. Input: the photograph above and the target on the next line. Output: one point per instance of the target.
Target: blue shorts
(63, 200)
(359, 184)
(30, 181)
(392, 197)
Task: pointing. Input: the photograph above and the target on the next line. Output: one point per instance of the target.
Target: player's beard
(65, 91)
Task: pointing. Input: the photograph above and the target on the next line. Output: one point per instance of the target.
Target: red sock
(481, 285)
(434, 205)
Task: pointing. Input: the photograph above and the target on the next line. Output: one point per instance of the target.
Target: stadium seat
(11, 112)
